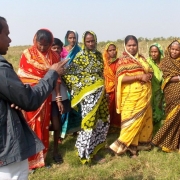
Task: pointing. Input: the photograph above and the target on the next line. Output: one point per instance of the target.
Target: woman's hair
(57, 42)
(175, 43)
(130, 37)
(69, 32)
(155, 47)
(87, 34)
(45, 35)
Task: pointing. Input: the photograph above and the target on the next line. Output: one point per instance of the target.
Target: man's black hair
(1, 26)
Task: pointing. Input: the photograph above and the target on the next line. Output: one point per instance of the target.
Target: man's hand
(59, 67)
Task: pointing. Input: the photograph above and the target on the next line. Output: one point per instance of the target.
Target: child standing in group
(58, 106)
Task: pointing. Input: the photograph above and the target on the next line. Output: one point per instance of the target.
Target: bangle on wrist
(58, 97)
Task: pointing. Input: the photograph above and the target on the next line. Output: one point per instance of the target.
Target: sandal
(58, 159)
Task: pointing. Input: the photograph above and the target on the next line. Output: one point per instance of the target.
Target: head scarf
(159, 48)
(106, 56)
(72, 53)
(66, 43)
(83, 39)
(157, 71)
(35, 37)
(167, 52)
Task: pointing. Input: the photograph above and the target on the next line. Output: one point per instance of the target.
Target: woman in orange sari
(110, 66)
(34, 63)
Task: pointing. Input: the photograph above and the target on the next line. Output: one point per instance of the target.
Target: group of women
(101, 91)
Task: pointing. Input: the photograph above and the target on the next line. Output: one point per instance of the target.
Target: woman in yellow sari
(133, 100)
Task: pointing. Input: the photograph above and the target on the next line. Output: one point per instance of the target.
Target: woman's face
(43, 46)
(90, 42)
(71, 39)
(112, 51)
(175, 51)
(132, 47)
(154, 53)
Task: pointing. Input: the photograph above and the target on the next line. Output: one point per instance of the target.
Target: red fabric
(115, 119)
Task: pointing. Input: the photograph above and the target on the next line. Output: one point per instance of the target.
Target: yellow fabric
(86, 91)
(166, 80)
(118, 94)
(90, 114)
(134, 104)
(119, 88)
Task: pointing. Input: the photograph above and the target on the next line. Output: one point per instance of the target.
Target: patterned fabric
(157, 94)
(133, 102)
(110, 65)
(168, 135)
(33, 66)
(85, 82)
(71, 121)
(95, 127)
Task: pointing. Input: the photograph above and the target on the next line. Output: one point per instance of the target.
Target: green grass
(149, 165)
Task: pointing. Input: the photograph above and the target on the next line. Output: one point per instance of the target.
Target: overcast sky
(109, 19)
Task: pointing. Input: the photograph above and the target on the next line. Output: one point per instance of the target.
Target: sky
(109, 19)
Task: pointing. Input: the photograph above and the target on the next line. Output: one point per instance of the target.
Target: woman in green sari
(85, 81)
(155, 56)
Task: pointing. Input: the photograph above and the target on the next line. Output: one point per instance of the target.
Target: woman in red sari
(110, 64)
(34, 63)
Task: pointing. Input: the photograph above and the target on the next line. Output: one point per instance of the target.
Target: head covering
(83, 39)
(66, 43)
(35, 37)
(159, 48)
(167, 52)
(72, 53)
(106, 55)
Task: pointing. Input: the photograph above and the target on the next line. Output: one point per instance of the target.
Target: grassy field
(151, 165)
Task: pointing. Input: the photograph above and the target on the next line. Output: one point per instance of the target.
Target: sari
(133, 101)
(33, 67)
(85, 81)
(71, 121)
(157, 93)
(168, 135)
(110, 65)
